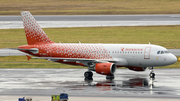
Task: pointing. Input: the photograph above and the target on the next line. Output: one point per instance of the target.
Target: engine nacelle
(137, 68)
(105, 68)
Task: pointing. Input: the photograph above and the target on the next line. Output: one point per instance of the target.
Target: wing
(84, 61)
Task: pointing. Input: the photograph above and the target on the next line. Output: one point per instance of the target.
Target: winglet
(28, 57)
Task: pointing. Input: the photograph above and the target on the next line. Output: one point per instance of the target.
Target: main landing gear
(91, 67)
(152, 74)
(88, 74)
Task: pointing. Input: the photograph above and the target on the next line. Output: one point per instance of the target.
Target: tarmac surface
(127, 84)
(46, 98)
(51, 21)
(172, 17)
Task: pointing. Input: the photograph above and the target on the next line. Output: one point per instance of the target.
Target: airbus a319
(101, 58)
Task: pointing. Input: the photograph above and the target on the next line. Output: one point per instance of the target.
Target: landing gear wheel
(88, 74)
(110, 77)
(152, 75)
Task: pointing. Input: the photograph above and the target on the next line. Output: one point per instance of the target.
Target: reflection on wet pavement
(133, 84)
(54, 81)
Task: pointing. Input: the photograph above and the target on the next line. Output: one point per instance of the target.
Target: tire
(88, 74)
(152, 75)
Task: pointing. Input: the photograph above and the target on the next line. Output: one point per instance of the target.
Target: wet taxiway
(47, 82)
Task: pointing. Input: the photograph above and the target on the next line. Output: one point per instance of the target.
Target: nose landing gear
(152, 74)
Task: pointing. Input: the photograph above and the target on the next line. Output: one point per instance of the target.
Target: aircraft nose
(173, 59)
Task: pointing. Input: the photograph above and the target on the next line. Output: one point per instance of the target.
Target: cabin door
(147, 53)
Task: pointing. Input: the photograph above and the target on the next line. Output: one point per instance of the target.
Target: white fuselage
(140, 55)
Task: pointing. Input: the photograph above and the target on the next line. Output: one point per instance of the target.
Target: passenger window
(158, 52)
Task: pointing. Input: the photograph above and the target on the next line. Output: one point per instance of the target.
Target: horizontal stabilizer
(33, 50)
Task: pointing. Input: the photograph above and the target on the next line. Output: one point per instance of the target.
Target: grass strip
(22, 62)
(166, 36)
(89, 7)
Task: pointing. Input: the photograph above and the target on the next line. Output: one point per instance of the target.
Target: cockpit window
(162, 52)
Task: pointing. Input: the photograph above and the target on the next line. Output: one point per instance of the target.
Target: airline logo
(134, 49)
(131, 49)
(122, 49)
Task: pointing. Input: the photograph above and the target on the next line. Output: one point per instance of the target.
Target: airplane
(101, 58)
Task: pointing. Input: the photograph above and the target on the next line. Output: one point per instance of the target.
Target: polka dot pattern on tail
(34, 32)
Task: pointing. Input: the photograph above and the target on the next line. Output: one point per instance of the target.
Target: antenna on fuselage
(79, 42)
(149, 43)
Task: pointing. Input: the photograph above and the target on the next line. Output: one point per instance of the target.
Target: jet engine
(105, 68)
(137, 68)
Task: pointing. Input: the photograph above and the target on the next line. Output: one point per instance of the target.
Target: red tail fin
(34, 33)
